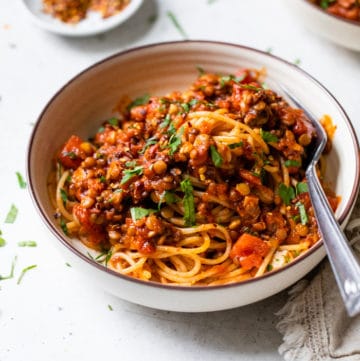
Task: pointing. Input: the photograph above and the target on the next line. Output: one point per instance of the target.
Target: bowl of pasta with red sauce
(173, 175)
(334, 20)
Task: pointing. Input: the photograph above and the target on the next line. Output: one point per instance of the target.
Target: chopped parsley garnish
(186, 107)
(301, 187)
(193, 102)
(12, 214)
(22, 183)
(286, 193)
(68, 264)
(139, 212)
(2, 242)
(110, 308)
(139, 101)
(166, 122)
(292, 163)
(200, 70)
(251, 87)
(188, 202)
(113, 121)
(237, 79)
(131, 163)
(130, 173)
(64, 227)
(297, 61)
(22, 274)
(101, 129)
(103, 257)
(148, 143)
(302, 211)
(325, 3)
(268, 137)
(236, 145)
(27, 244)
(63, 195)
(175, 141)
(176, 23)
(11, 274)
(269, 267)
(102, 179)
(216, 157)
(170, 197)
(71, 155)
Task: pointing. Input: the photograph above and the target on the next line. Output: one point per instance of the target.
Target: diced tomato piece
(246, 76)
(249, 251)
(95, 233)
(71, 154)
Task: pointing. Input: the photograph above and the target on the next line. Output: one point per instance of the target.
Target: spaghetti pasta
(203, 187)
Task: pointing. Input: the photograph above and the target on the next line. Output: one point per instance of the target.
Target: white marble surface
(55, 314)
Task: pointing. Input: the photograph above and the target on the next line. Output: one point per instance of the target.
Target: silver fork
(344, 263)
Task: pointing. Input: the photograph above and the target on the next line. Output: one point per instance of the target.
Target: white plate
(159, 69)
(341, 31)
(91, 25)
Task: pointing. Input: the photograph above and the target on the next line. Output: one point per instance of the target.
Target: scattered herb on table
(12, 214)
(11, 274)
(152, 18)
(2, 242)
(27, 244)
(23, 272)
(22, 183)
(176, 23)
(110, 308)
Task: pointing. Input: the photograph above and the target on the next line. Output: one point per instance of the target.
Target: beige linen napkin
(314, 323)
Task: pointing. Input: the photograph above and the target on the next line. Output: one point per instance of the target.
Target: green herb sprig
(188, 202)
(22, 183)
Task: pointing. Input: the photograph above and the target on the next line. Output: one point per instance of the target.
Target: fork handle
(343, 261)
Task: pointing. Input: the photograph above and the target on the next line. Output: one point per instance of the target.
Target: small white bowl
(341, 31)
(91, 25)
(81, 105)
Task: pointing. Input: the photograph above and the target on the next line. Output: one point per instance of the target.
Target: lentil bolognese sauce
(201, 187)
(347, 9)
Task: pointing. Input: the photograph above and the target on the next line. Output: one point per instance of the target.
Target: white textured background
(55, 314)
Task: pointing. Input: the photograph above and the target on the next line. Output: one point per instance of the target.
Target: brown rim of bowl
(338, 17)
(62, 239)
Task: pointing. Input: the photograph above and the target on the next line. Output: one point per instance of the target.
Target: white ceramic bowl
(81, 105)
(91, 25)
(334, 28)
